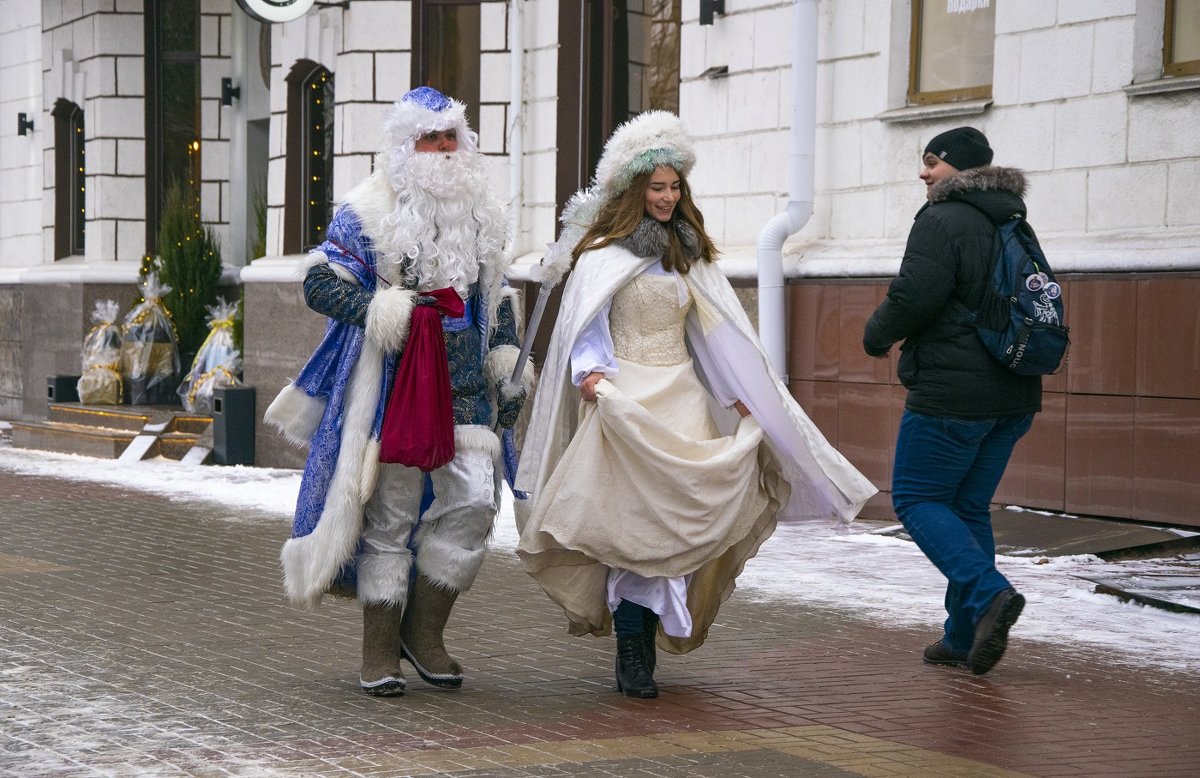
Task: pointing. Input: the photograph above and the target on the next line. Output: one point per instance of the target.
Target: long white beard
(444, 223)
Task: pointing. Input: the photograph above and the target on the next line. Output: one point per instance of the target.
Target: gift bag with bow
(217, 362)
(100, 358)
(149, 348)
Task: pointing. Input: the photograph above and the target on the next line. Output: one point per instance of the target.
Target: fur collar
(650, 239)
(979, 179)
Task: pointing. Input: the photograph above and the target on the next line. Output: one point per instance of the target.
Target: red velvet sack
(418, 422)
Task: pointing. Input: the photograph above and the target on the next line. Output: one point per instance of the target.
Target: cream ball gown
(649, 495)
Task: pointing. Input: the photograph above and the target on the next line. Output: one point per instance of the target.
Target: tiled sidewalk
(141, 636)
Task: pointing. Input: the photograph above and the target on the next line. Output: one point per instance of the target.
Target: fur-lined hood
(980, 179)
(997, 191)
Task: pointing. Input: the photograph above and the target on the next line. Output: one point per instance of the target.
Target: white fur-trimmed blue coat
(335, 404)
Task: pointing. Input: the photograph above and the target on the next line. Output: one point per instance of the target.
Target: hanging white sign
(272, 11)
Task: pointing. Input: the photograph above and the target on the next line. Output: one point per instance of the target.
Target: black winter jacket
(948, 258)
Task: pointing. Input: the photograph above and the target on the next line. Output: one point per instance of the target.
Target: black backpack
(1020, 320)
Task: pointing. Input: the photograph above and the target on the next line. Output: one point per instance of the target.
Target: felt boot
(633, 677)
(380, 675)
(421, 631)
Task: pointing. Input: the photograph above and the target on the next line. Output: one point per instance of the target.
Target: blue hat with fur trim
(423, 110)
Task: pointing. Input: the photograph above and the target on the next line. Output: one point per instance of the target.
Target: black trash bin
(62, 388)
(233, 425)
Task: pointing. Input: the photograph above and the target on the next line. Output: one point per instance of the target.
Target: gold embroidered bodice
(647, 323)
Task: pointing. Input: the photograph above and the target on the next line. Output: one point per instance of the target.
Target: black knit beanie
(962, 147)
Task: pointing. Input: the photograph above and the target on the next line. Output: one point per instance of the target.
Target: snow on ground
(856, 570)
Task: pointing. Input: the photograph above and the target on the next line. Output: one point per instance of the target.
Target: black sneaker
(991, 633)
(939, 654)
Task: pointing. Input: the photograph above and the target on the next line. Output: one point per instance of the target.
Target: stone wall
(11, 347)
(21, 176)
(281, 333)
(54, 319)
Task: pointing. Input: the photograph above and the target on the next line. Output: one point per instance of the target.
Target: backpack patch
(1020, 320)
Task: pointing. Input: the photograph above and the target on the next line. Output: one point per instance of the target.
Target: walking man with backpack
(965, 411)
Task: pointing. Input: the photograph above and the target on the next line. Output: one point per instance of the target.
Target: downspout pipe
(516, 130)
(772, 327)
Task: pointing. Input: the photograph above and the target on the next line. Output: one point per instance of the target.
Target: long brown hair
(621, 215)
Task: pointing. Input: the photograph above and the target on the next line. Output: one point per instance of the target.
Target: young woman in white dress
(662, 447)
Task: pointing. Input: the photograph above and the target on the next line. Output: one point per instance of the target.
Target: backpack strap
(963, 313)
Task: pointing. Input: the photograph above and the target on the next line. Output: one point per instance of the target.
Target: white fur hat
(641, 144)
(423, 110)
(646, 141)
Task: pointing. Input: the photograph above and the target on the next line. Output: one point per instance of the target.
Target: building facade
(108, 102)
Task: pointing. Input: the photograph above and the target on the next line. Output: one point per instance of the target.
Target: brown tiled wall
(1119, 432)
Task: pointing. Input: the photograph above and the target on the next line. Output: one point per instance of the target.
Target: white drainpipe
(516, 137)
(771, 325)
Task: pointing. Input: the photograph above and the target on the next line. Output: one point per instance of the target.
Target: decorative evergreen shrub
(190, 263)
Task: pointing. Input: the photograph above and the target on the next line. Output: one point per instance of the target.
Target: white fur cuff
(476, 437)
(447, 565)
(295, 415)
(389, 316)
(383, 578)
(498, 368)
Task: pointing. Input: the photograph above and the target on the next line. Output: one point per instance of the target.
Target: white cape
(724, 345)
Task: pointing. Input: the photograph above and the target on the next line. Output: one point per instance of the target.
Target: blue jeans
(945, 474)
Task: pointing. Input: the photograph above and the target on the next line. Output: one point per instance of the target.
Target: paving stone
(146, 636)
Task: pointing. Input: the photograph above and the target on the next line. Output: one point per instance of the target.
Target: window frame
(420, 64)
(70, 179)
(917, 97)
(656, 56)
(156, 57)
(1189, 67)
(304, 223)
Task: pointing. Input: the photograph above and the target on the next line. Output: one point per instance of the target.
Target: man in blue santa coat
(404, 542)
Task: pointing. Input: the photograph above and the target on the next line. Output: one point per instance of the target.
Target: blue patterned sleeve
(328, 294)
(326, 291)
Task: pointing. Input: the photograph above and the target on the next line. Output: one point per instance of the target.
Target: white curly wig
(438, 207)
(645, 142)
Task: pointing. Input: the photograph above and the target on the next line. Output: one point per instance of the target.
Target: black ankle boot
(633, 677)
(650, 632)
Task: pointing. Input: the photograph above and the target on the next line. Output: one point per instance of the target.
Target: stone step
(101, 443)
(106, 432)
(175, 445)
(190, 424)
(115, 417)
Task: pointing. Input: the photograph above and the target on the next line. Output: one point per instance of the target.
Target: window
(654, 57)
(951, 50)
(69, 181)
(1181, 38)
(446, 50)
(172, 104)
(308, 204)
(617, 58)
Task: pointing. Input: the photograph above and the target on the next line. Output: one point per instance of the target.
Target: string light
(318, 173)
